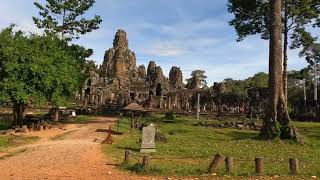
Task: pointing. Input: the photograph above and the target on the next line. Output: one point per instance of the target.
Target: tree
(65, 17)
(259, 80)
(299, 86)
(312, 56)
(37, 69)
(197, 80)
(277, 121)
(252, 17)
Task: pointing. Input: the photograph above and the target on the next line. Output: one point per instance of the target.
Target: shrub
(170, 116)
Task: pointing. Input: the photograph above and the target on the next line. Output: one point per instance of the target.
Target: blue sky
(190, 34)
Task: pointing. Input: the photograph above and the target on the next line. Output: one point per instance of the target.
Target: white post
(198, 107)
(315, 93)
(304, 90)
(316, 88)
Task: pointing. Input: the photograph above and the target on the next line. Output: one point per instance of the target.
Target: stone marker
(148, 136)
(24, 129)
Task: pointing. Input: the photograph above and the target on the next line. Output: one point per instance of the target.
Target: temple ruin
(119, 81)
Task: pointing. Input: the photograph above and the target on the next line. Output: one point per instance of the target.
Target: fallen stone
(10, 131)
(240, 126)
(24, 129)
(17, 130)
(160, 137)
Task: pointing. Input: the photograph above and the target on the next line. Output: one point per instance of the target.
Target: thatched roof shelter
(134, 107)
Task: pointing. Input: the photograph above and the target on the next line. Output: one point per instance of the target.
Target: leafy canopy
(36, 69)
(251, 17)
(65, 17)
(259, 80)
(198, 77)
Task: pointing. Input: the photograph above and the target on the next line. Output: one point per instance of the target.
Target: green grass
(79, 119)
(4, 125)
(14, 153)
(14, 141)
(190, 148)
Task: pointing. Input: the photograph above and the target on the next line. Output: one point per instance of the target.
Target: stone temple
(120, 81)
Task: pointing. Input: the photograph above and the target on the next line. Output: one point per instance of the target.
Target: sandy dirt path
(75, 156)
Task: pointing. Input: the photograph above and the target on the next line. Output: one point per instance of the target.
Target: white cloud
(179, 47)
(192, 28)
(165, 49)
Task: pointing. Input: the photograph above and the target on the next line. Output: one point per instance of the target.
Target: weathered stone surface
(120, 39)
(159, 74)
(160, 137)
(218, 87)
(24, 129)
(194, 83)
(176, 78)
(148, 139)
(151, 71)
(119, 61)
(141, 72)
(10, 131)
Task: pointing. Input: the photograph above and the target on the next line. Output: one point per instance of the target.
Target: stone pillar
(151, 102)
(160, 102)
(169, 103)
(175, 101)
(101, 98)
(179, 102)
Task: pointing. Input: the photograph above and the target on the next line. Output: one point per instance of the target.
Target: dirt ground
(75, 155)
(71, 152)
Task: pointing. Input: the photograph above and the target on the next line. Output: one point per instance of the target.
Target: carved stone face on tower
(176, 78)
(120, 40)
(119, 61)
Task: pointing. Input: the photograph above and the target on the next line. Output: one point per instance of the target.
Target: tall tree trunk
(63, 20)
(18, 110)
(56, 115)
(315, 87)
(277, 121)
(304, 91)
(285, 53)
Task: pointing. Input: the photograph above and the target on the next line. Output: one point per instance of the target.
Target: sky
(190, 34)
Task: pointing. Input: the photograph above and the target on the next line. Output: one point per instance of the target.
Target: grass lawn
(14, 141)
(79, 119)
(190, 148)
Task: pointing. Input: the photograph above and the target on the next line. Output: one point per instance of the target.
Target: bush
(170, 116)
(4, 125)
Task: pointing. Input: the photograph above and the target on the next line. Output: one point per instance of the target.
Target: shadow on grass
(107, 131)
(238, 135)
(130, 149)
(139, 169)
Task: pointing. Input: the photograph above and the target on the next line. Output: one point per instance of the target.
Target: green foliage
(65, 17)
(190, 148)
(14, 141)
(35, 69)
(312, 54)
(252, 17)
(4, 125)
(197, 77)
(170, 116)
(259, 80)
